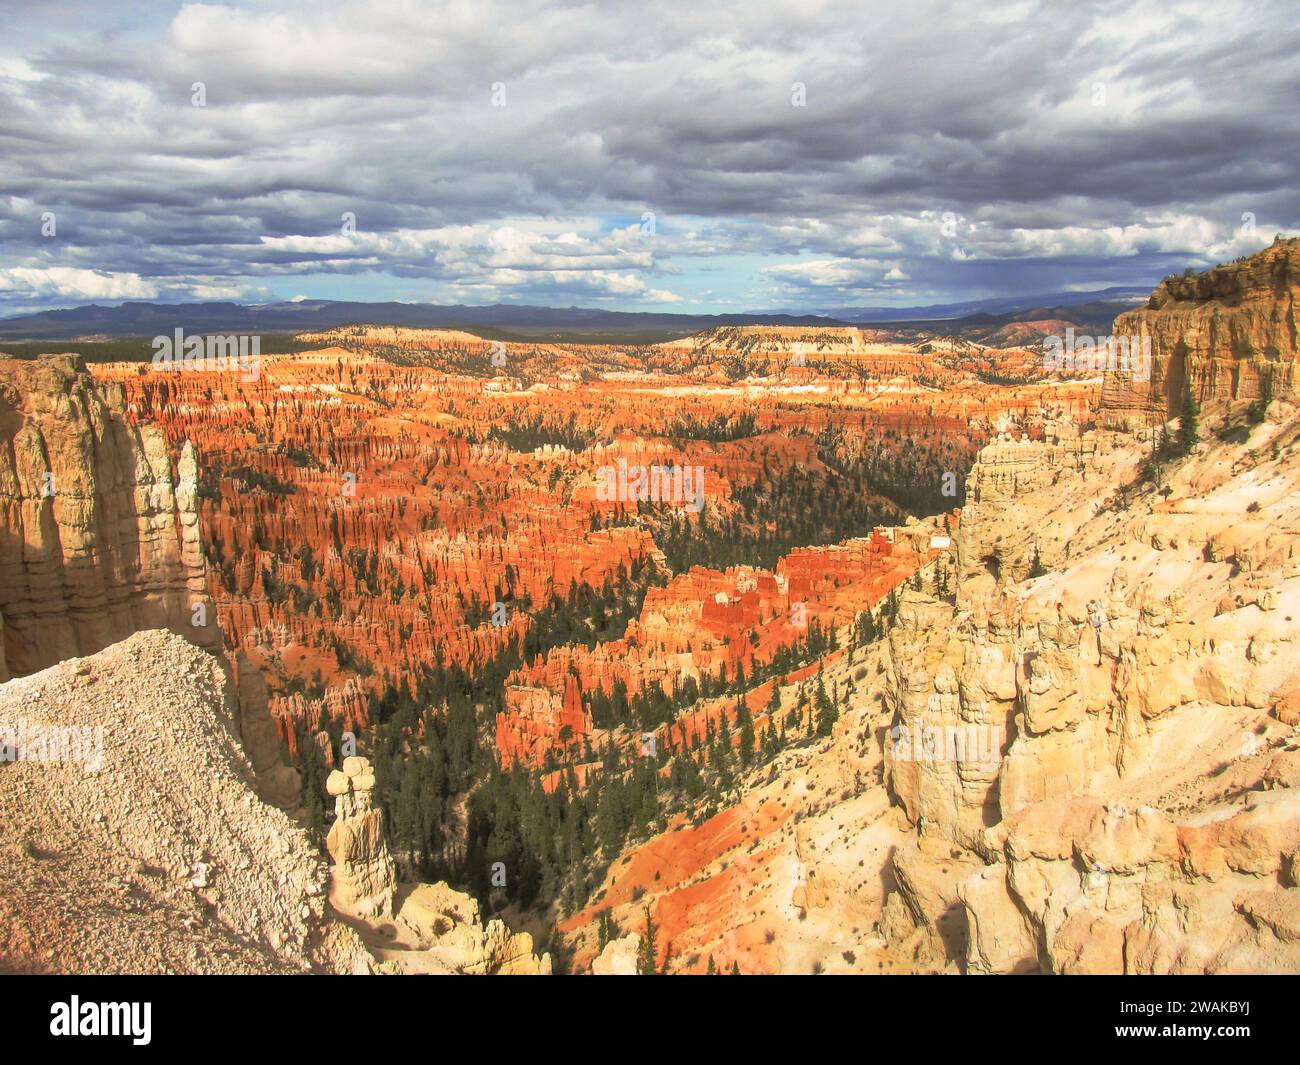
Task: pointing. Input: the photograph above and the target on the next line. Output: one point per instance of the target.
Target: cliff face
(1095, 770)
(1227, 328)
(1082, 757)
(98, 539)
(1137, 804)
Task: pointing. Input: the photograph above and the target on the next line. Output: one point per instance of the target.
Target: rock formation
(101, 540)
(98, 537)
(704, 621)
(1081, 758)
(1073, 751)
(1231, 329)
(1141, 762)
(1092, 770)
(362, 880)
(619, 958)
(451, 933)
(410, 928)
(367, 504)
(134, 842)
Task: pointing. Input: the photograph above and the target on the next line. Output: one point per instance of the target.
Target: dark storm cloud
(942, 151)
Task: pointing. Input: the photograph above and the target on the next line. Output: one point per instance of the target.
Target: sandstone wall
(1226, 328)
(1138, 808)
(98, 539)
(1140, 811)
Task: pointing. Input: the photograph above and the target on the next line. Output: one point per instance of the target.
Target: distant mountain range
(134, 319)
(148, 319)
(997, 306)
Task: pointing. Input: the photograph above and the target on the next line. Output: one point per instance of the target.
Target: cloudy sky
(655, 156)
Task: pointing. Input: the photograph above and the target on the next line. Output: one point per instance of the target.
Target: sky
(668, 156)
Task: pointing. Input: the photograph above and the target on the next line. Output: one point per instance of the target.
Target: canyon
(963, 664)
(1129, 653)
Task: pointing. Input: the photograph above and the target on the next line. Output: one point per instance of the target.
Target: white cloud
(835, 273)
(383, 108)
(71, 283)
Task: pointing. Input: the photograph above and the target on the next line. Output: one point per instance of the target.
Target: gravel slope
(164, 860)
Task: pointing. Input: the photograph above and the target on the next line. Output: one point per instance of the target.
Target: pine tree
(1159, 452)
(746, 732)
(1189, 430)
(713, 968)
(648, 953)
(607, 930)
(827, 715)
(313, 787)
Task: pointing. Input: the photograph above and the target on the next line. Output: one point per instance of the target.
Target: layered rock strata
(1130, 803)
(99, 538)
(1233, 330)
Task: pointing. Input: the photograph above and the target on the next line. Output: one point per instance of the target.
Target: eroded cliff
(1080, 752)
(99, 536)
(1232, 330)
